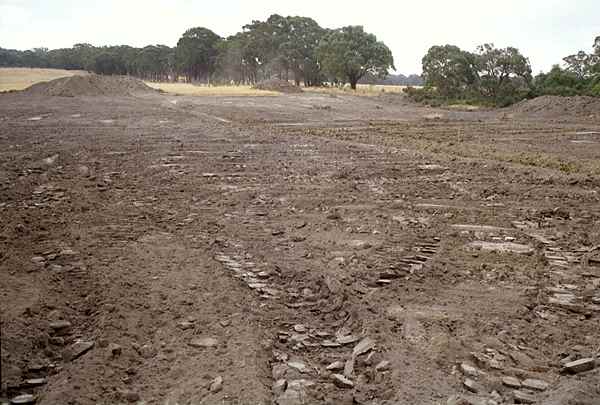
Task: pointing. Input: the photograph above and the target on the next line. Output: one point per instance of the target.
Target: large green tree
(349, 53)
(450, 70)
(503, 72)
(196, 53)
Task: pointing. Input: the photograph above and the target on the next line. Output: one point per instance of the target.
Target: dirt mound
(90, 85)
(282, 86)
(557, 106)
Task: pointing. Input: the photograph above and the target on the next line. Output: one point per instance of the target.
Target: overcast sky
(544, 30)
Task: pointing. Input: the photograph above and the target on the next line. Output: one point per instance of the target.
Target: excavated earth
(298, 249)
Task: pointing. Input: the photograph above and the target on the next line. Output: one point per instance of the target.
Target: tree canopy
(350, 53)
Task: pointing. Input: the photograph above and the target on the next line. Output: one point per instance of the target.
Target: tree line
(289, 48)
(502, 76)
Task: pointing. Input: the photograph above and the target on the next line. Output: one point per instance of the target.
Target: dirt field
(297, 249)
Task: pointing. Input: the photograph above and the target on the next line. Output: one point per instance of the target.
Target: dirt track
(289, 229)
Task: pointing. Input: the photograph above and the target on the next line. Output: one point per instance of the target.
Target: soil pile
(557, 106)
(282, 86)
(90, 85)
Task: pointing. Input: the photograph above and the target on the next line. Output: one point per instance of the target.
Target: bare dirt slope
(297, 249)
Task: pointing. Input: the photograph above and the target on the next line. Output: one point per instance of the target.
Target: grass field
(21, 78)
(188, 89)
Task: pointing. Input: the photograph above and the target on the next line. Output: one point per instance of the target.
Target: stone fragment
(469, 370)
(581, 365)
(502, 247)
(511, 382)
(60, 325)
(363, 346)
(204, 342)
(336, 365)
(34, 382)
(341, 381)
(300, 328)
(523, 397)
(534, 384)
(216, 385)
(23, 399)
(185, 325)
(346, 340)
(77, 349)
(298, 366)
(38, 259)
(473, 386)
(349, 367)
(330, 343)
(383, 365)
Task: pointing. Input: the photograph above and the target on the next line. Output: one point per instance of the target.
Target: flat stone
(349, 367)
(38, 259)
(330, 343)
(383, 365)
(298, 366)
(216, 385)
(473, 386)
(581, 365)
(336, 365)
(363, 346)
(524, 398)
(204, 342)
(346, 340)
(502, 247)
(341, 381)
(23, 399)
(469, 370)
(77, 349)
(60, 325)
(537, 385)
(511, 382)
(34, 382)
(359, 244)
(185, 325)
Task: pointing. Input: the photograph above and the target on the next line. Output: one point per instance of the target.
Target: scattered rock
(336, 365)
(23, 399)
(216, 385)
(34, 382)
(502, 247)
(299, 366)
(349, 367)
(341, 381)
(537, 385)
(469, 370)
(523, 397)
(204, 342)
(511, 382)
(473, 386)
(363, 346)
(77, 349)
(60, 326)
(383, 365)
(581, 365)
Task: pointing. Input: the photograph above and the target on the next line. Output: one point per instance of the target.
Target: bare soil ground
(299, 249)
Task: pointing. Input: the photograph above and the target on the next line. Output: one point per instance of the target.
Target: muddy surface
(299, 249)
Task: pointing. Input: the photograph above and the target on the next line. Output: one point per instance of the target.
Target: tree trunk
(353, 83)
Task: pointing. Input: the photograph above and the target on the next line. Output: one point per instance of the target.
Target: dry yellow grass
(21, 78)
(361, 89)
(187, 89)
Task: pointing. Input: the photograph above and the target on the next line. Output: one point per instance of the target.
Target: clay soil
(222, 250)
